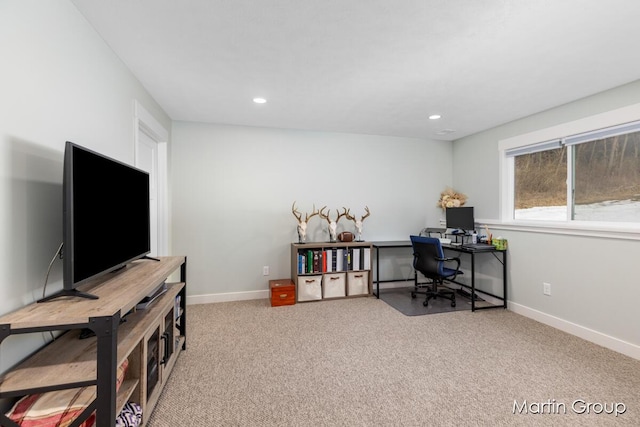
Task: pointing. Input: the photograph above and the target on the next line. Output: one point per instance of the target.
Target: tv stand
(68, 293)
(150, 340)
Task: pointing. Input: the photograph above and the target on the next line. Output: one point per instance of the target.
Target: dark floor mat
(400, 299)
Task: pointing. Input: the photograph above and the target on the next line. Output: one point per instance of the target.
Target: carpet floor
(360, 362)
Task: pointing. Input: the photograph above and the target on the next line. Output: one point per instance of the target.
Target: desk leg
(473, 282)
(377, 273)
(504, 277)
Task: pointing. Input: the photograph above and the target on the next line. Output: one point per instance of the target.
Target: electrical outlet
(546, 288)
(265, 270)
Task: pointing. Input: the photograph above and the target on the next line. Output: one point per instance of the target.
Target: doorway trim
(145, 122)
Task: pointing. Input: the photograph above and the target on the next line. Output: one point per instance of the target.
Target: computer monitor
(460, 218)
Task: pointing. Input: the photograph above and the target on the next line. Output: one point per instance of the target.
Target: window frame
(543, 138)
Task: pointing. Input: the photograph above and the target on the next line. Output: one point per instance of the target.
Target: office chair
(429, 259)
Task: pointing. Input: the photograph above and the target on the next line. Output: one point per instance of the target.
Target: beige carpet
(359, 362)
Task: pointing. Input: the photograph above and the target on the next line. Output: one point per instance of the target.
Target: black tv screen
(106, 215)
(460, 218)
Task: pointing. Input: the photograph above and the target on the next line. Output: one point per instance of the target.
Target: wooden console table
(122, 332)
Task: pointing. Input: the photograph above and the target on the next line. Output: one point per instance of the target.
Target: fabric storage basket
(358, 283)
(309, 288)
(333, 285)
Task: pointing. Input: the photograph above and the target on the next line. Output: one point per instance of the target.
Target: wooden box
(283, 292)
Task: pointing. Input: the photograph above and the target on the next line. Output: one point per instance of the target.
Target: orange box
(283, 292)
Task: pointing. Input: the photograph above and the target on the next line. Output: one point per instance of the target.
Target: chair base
(433, 292)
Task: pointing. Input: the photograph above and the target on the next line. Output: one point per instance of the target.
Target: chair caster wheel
(453, 303)
(413, 295)
(426, 303)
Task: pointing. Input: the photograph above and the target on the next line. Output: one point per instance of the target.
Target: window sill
(606, 231)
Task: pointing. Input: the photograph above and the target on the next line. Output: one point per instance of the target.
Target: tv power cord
(46, 278)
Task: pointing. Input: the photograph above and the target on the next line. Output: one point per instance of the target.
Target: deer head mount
(347, 213)
(302, 224)
(358, 222)
(298, 214)
(333, 225)
(327, 215)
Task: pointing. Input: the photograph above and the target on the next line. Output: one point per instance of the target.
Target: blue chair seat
(448, 272)
(429, 260)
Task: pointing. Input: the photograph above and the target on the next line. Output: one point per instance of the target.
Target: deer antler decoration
(366, 209)
(347, 215)
(332, 224)
(360, 221)
(302, 224)
(325, 215)
(313, 213)
(296, 213)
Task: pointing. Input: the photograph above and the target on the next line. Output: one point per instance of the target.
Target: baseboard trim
(226, 297)
(250, 295)
(615, 344)
(264, 294)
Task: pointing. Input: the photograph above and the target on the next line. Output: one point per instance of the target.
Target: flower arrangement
(450, 198)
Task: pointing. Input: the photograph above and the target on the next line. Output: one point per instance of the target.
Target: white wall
(594, 285)
(58, 81)
(234, 186)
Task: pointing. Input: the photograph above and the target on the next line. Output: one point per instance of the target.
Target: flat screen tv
(460, 218)
(106, 222)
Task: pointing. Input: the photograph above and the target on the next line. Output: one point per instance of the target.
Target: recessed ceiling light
(259, 100)
(434, 116)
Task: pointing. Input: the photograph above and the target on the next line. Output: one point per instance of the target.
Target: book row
(335, 259)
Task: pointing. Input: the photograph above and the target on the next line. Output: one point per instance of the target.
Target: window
(589, 176)
(540, 185)
(606, 186)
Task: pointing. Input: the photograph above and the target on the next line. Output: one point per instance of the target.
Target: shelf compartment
(124, 394)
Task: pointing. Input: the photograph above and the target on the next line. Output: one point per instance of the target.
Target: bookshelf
(148, 338)
(330, 270)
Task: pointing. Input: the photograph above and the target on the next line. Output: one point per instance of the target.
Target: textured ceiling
(376, 67)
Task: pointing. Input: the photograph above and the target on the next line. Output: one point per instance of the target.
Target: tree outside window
(602, 170)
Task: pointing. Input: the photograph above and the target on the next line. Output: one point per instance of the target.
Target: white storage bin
(333, 285)
(357, 283)
(309, 288)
